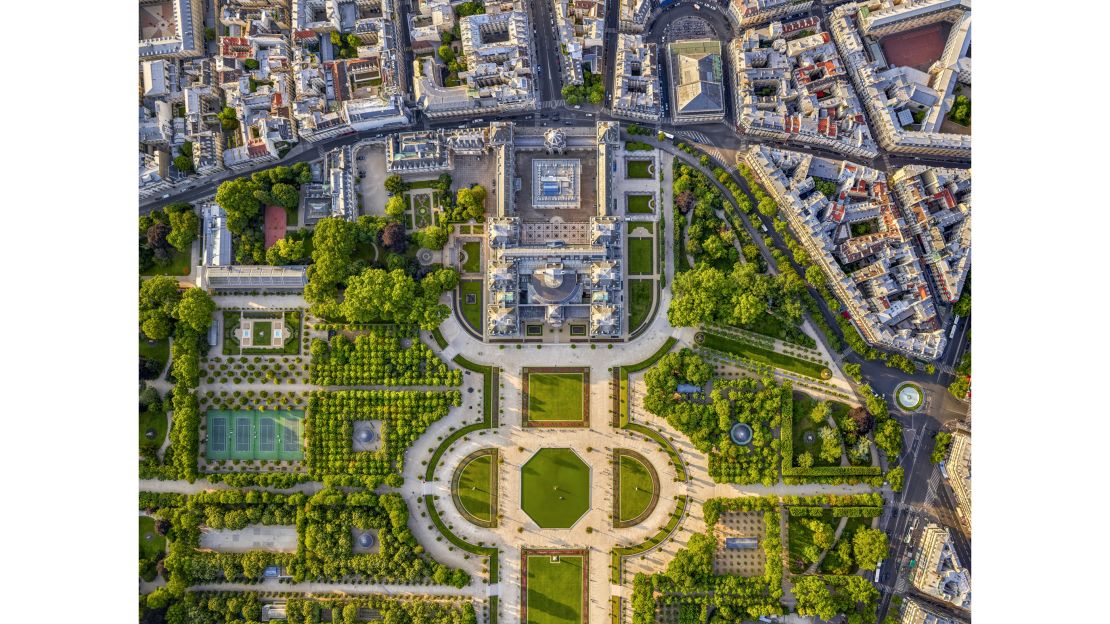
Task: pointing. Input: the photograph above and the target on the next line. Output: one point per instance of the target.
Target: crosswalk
(934, 483)
(694, 135)
(552, 104)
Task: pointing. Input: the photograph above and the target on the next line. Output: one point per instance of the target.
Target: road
(548, 54)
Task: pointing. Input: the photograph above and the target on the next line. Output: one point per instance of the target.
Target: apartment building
(634, 15)
(936, 206)
(499, 69)
(907, 94)
(791, 85)
(854, 231)
(171, 29)
(939, 573)
(636, 87)
(580, 26)
(748, 13)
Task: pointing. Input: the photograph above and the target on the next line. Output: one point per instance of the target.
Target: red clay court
(916, 48)
(275, 225)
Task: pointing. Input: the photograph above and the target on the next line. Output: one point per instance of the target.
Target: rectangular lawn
(555, 589)
(638, 169)
(639, 204)
(555, 397)
(639, 294)
(640, 256)
(471, 311)
(763, 356)
(473, 263)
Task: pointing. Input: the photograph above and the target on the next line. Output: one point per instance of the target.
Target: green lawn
(180, 264)
(639, 256)
(475, 487)
(152, 420)
(765, 356)
(636, 488)
(639, 204)
(149, 548)
(555, 590)
(421, 184)
(639, 293)
(638, 169)
(471, 311)
(263, 333)
(773, 327)
(473, 262)
(157, 350)
(555, 488)
(555, 396)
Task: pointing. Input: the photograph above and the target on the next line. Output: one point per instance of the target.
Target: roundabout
(909, 397)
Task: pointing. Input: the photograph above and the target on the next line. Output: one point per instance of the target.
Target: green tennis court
(250, 434)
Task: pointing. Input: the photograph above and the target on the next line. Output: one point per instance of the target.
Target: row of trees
(378, 358)
(404, 415)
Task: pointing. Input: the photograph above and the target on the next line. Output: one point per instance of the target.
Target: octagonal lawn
(555, 488)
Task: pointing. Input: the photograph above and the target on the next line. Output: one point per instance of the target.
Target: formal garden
(256, 332)
(330, 431)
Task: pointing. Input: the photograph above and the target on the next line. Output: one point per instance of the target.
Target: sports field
(555, 396)
(249, 434)
(555, 488)
(276, 221)
(554, 588)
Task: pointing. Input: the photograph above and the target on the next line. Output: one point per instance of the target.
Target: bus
(878, 568)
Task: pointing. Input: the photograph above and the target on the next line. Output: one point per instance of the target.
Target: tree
(238, 199)
(158, 299)
(393, 237)
(250, 64)
(941, 443)
(888, 436)
(286, 195)
(395, 206)
(432, 237)
(862, 420)
(896, 476)
(183, 163)
(395, 185)
(853, 370)
(157, 235)
(815, 276)
(195, 309)
(446, 53)
(830, 444)
(185, 225)
(228, 119)
(471, 201)
(286, 251)
(684, 201)
(805, 460)
(870, 547)
(820, 413)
